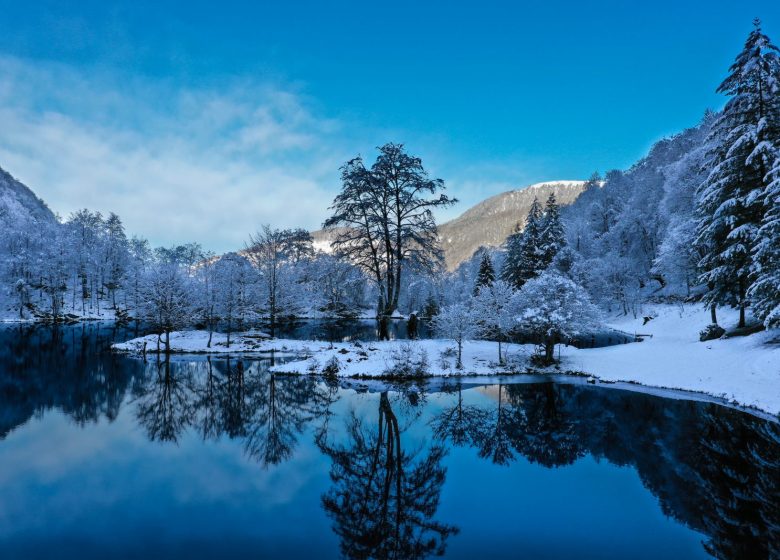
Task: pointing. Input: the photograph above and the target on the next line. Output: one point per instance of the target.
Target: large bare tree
(383, 219)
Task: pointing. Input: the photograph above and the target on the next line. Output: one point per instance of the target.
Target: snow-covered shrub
(332, 366)
(407, 359)
(711, 332)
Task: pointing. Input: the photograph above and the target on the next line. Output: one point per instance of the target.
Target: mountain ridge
(487, 223)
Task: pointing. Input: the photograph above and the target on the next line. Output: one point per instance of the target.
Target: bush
(332, 367)
(407, 360)
(711, 332)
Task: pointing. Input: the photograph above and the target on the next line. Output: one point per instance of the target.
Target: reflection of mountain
(714, 469)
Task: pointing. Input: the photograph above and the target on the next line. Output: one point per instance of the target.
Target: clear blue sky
(490, 94)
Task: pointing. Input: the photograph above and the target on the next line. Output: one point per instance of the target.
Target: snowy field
(741, 370)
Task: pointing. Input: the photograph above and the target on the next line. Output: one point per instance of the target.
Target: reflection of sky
(106, 487)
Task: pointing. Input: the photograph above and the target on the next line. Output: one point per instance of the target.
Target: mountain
(488, 223)
(18, 202)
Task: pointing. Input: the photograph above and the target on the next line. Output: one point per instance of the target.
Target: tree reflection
(383, 499)
(544, 434)
(283, 406)
(714, 469)
(165, 405)
(234, 398)
(461, 424)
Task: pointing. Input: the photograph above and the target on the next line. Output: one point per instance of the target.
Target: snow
(196, 342)
(740, 370)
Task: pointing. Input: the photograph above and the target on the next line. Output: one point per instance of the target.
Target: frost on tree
(457, 322)
(525, 257)
(553, 310)
(731, 200)
(495, 312)
(486, 274)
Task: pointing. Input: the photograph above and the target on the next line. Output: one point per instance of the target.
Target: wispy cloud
(176, 164)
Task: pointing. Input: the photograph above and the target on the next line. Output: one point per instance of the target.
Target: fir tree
(511, 266)
(730, 199)
(765, 291)
(486, 275)
(525, 259)
(552, 234)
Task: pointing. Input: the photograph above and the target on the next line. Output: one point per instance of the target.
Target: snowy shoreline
(744, 371)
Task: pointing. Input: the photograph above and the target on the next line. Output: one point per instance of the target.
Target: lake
(105, 456)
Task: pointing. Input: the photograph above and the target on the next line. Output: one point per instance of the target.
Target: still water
(105, 456)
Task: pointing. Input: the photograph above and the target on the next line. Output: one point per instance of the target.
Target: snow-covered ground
(744, 370)
(10, 314)
(741, 370)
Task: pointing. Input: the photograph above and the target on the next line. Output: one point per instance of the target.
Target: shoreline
(742, 372)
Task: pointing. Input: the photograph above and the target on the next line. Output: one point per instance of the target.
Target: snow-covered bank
(741, 370)
(197, 342)
(744, 370)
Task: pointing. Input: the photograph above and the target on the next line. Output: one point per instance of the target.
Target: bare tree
(384, 221)
(269, 250)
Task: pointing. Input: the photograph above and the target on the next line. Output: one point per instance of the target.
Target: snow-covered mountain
(18, 202)
(488, 223)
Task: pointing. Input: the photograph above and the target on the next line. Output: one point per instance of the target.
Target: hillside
(491, 221)
(18, 202)
(488, 223)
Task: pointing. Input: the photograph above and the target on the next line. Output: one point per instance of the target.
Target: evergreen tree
(514, 248)
(552, 234)
(765, 291)
(486, 275)
(744, 139)
(525, 259)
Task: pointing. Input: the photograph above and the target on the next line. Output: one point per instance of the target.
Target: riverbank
(741, 370)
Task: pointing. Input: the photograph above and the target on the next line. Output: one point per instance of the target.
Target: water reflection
(234, 398)
(713, 469)
(384, 498)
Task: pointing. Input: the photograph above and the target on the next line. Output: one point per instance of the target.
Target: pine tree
(525, 259)
(486, 275)
(511, 266)
(743, 143)
(765, 291)
(552, 234)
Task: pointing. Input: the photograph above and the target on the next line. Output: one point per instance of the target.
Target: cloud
(176, 164)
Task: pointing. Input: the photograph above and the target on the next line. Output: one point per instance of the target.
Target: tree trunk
(460, 355)
(549, 350)
(384, 328)
(713, 314)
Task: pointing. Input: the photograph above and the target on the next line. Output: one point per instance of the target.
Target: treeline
(87, 267)
(698, 218)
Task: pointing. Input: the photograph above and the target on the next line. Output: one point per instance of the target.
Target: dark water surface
(104, 456)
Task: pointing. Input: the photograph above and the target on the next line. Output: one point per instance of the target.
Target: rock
(711, 332)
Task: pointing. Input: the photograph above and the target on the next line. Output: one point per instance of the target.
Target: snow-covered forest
(697, 219)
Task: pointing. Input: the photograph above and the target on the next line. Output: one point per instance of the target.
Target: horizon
(227, 116)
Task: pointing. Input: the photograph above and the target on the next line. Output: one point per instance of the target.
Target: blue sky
(235, 114)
